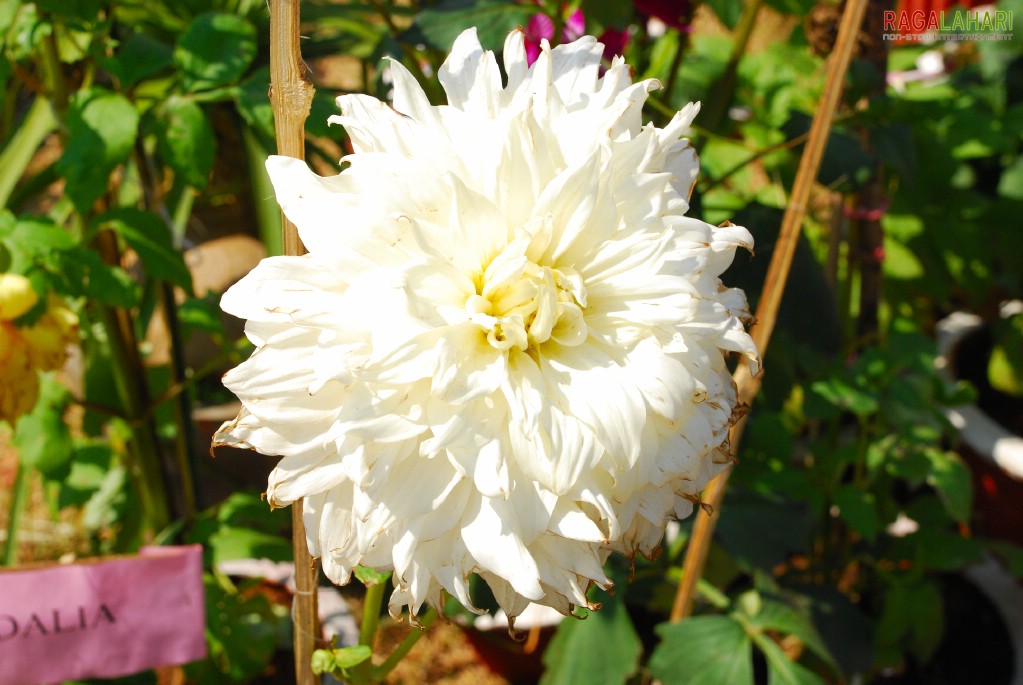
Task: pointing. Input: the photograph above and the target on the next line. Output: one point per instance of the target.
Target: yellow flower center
(523, 304)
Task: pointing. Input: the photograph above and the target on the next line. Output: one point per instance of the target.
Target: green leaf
(900, 262)
(23, 29)
(101, 126)
(728, 11)
(150, 237)
(80, 10)
(441, 23)
(229, 542)
(780, 669)
(368, 576)
(138, 57)
(760, 532)
(346, 657)
(974, 132)
(185, 140)
(1010, 185)
(322, 661)
(799, 8)
(242, 635)
(704, 650)
(913, 618)
(1005, 366)
(42, 436)
(845, 163)
(336, 661)
(31, 242)
(89, 466)
(781, 616)
(248, 510)
(843, 627)
(201, 314)
(110, 503)
(935, 547)
(608, 14)
(602, 648)
(254, 104)
(844, 396)
(215, 51)
(952, 479)
(87, 275)
(859, 509)
(894, 143)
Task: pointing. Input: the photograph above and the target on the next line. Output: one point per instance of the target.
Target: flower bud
(16, 296)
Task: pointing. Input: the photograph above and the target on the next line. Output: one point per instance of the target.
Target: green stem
(384, 669)
(145, 468)
(364, 673)
(268, 214)
(182, 213)
(763, 152)
(151, 474)
(676, 64)
(53, 71)
(723, 93)
(186, 466)
(19, 497)
(38, 123)
(371, 614)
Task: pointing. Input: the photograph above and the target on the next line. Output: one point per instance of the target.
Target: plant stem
(38, 123)
(371, 613)
(147, 468)
(186, 468)
(384, 669)
(19, 497)
(268, 214)
(723, 93)
(763, 152)
(129, 378)
(53, 72)
(676, 64)
(774, 287)
(364, 673)
(182, 213)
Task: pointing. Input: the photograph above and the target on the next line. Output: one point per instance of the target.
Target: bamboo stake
(291, 95)
(774, 286)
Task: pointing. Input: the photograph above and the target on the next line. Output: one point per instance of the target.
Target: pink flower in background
(541, 27)
(674, 13)
(614, 41)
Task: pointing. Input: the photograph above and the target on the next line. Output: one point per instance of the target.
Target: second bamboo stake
(774, 286)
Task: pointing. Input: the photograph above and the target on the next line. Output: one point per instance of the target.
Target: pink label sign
(102, 619)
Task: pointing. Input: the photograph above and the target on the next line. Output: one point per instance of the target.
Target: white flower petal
(491, 538)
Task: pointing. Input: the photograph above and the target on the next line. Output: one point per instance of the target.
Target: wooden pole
(774, 287)
(291, 95)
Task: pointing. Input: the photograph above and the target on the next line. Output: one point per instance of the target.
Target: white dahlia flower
(504, 352)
